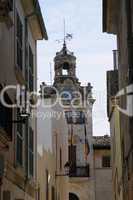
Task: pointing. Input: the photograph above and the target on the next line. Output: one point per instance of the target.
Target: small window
(72, 157)
(66, 65)
(53, 193)
(10, 3)
(19, 38)
(106, 161)
(31, 152)
(20, 140)
(6, 116)
(6, 195)
(131, 12)
(47, 184)
(31, 69)
(60, 159)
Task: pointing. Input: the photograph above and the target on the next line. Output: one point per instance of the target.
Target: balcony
(79, 172)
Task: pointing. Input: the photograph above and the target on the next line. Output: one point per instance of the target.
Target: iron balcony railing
(80, 172)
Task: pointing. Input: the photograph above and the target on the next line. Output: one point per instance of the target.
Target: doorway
(73, 196)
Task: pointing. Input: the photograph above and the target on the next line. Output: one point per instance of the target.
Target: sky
(91, 46)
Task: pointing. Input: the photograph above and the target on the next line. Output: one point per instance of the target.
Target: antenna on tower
(67, 36)
(64, 31)
(50, 64)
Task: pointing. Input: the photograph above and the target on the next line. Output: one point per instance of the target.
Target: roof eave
(41, 21)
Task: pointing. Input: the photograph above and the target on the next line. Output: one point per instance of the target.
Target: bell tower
(76, 105)
(65, 66)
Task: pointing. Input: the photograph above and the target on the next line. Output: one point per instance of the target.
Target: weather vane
(67, 36)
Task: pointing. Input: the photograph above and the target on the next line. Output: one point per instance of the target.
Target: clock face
(66, 93)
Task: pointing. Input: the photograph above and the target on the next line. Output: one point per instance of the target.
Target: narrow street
(66, 100)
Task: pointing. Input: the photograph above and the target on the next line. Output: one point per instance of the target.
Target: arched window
(66, 65)
(73, 196)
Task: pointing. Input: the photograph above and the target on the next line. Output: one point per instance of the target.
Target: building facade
(21, 25)
(102, 167)
(46, 176)
(118, 20)
(52, 146)
(77, 104)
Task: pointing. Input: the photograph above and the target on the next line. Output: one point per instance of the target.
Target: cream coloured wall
(46, 161)
(103, 176)
(60, 141)
(117, 170)
(82, 187)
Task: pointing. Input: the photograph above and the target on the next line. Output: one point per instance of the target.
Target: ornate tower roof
(64, 51)
(65, 65)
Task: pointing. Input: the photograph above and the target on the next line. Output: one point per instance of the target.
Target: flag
(69, 36)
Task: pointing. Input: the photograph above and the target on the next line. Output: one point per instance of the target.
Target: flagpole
(64, 31)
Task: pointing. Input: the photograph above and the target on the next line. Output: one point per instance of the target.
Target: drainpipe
(115, 58)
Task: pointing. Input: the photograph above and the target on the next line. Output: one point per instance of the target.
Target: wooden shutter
(72, 158)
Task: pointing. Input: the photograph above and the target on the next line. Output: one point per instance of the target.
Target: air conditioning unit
(6, 7)
(2, 166)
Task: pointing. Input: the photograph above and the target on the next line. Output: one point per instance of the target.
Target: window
(77, 117)
(47, 188)
(10, 3)
(6, 117)
(19, 38)
(38, 194)
(60, 159)
(31, 69)
(6, 195)
(129, 6)
(72, 157)
(20, 140)
(66, 65)
(26, 147)
(106, 161)
(31, 152)
(53, 193)
(131, 12)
